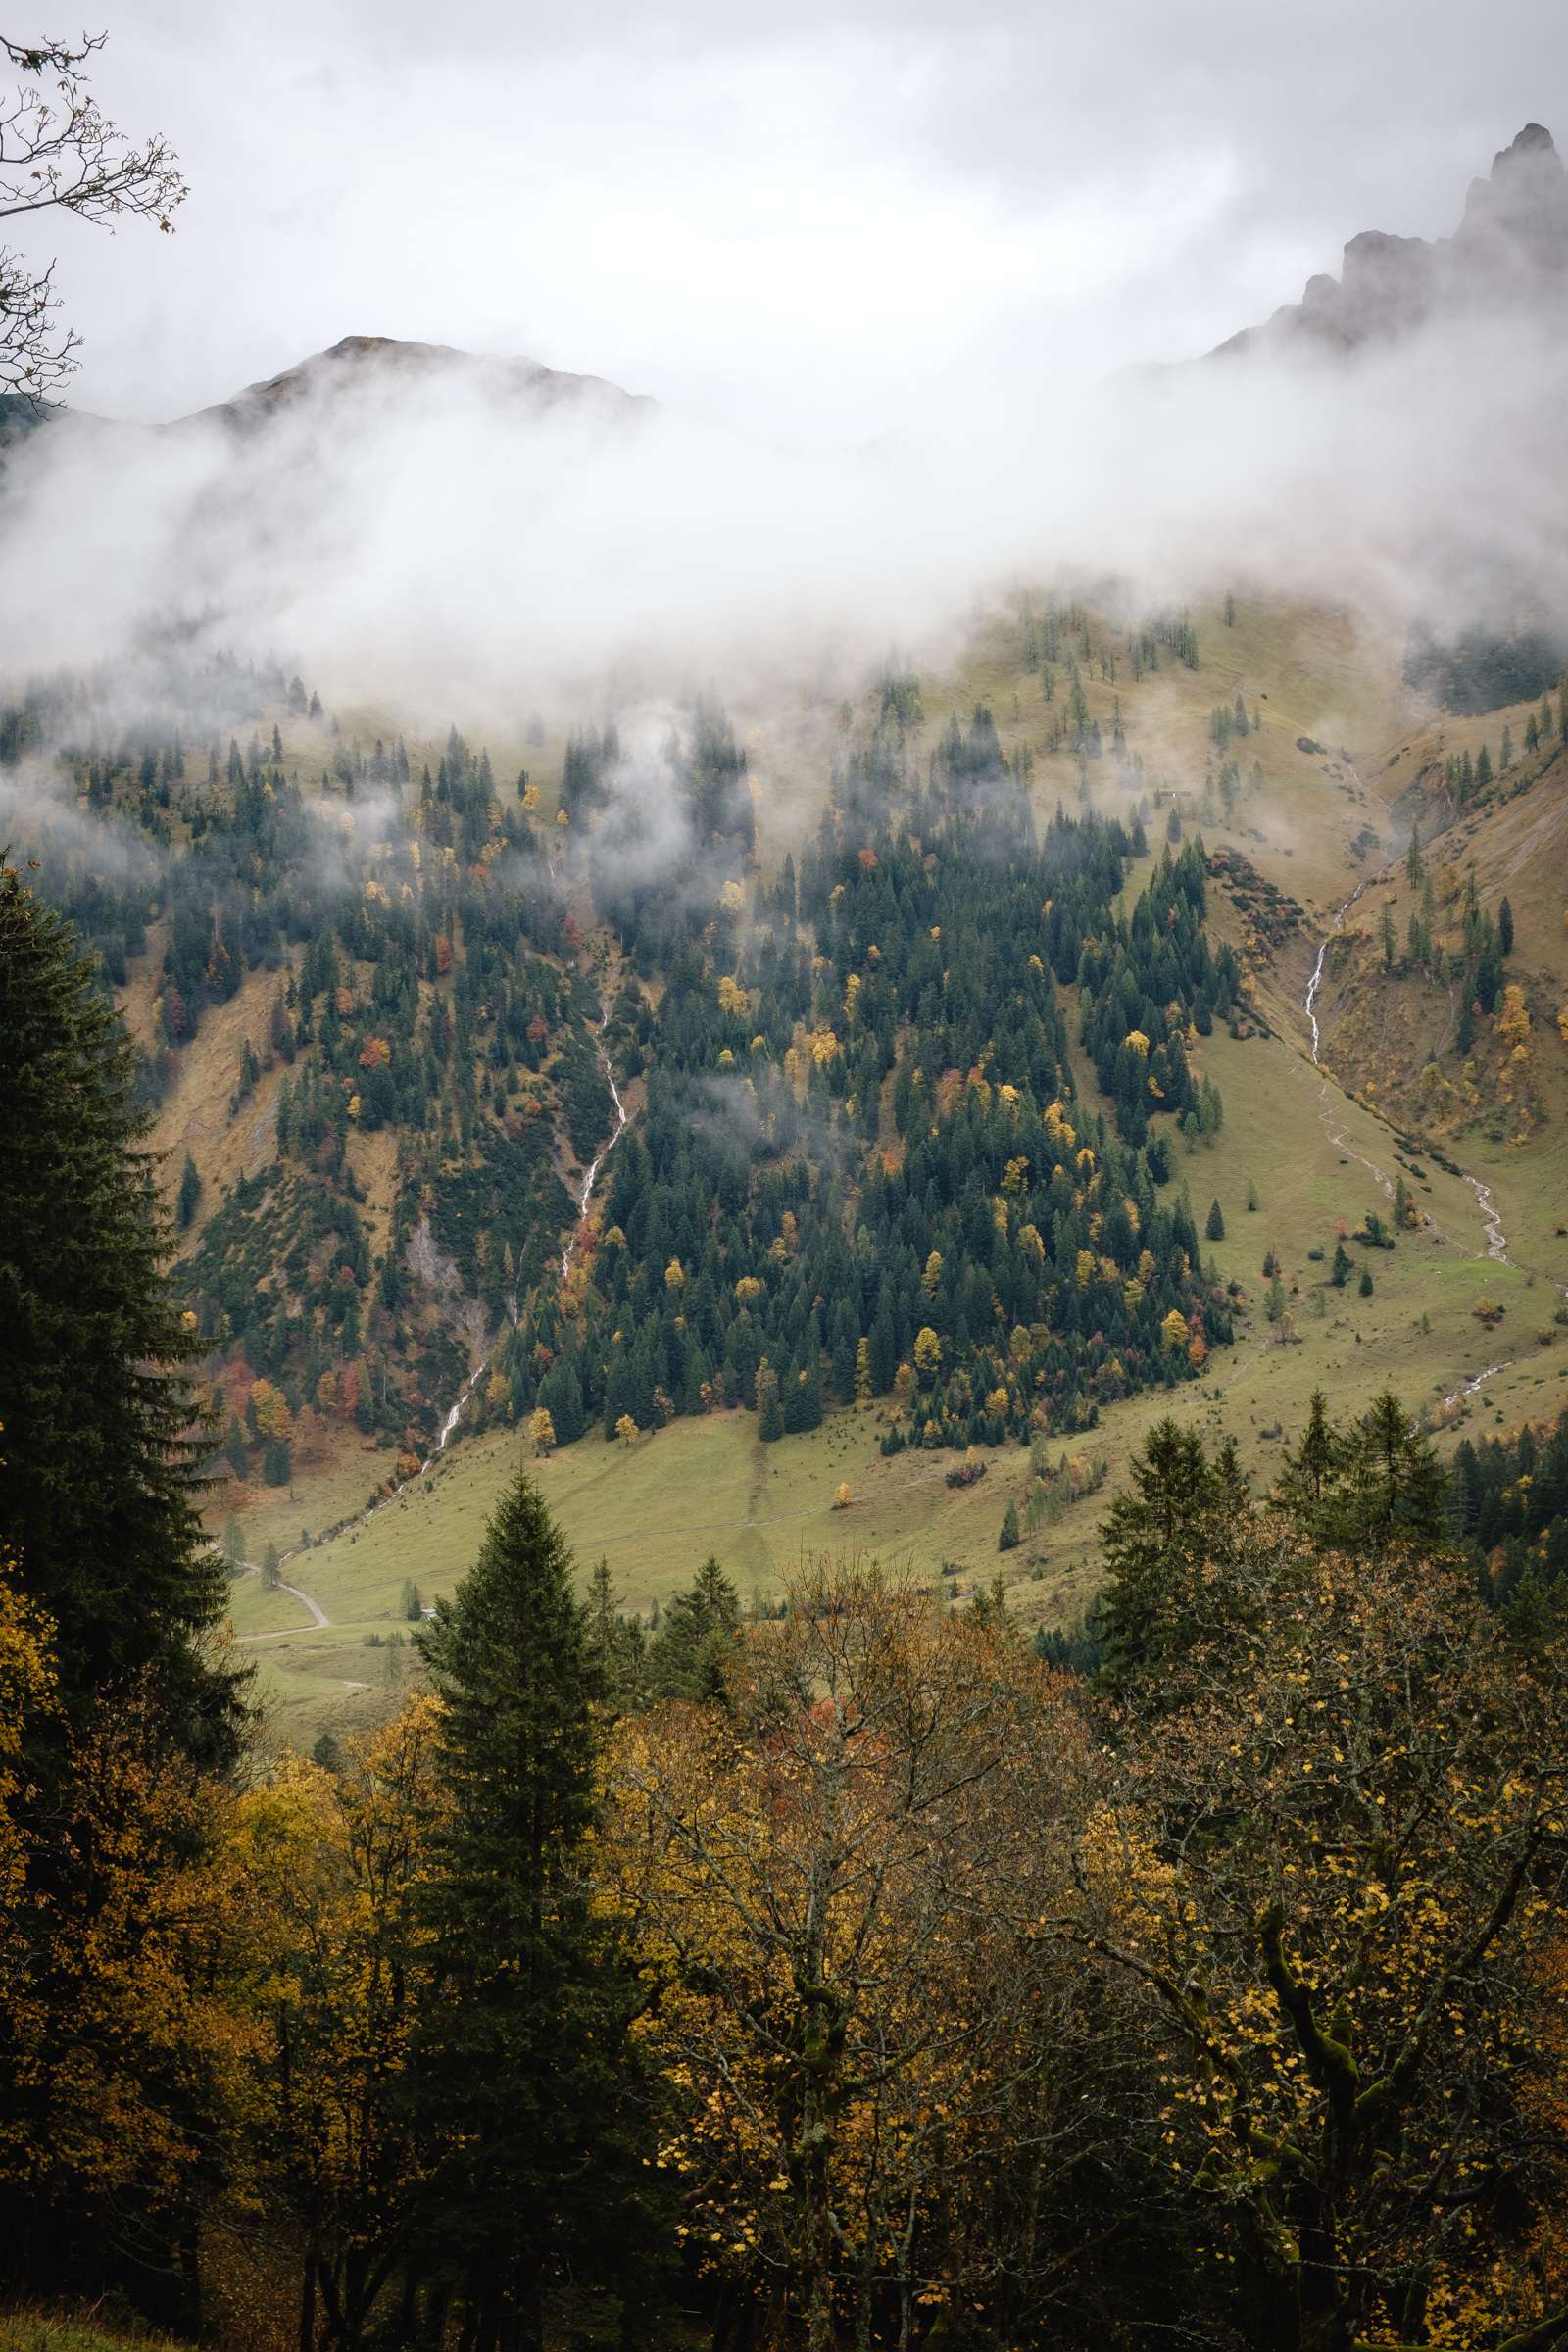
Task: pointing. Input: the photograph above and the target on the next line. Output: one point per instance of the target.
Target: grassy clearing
(1309, 674)
(322, 1496)
(38, 2331)
(256, 1610)
(194, 1115)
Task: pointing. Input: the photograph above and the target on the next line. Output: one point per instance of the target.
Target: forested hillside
(862, 1165)
(900, 1087)
(858, 1172)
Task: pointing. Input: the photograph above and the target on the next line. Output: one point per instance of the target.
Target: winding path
(319, 1620)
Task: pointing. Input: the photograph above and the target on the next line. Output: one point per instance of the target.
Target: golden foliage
(827, 1877)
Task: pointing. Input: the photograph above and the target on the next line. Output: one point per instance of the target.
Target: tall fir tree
(1306, 1488)
(1393, 1488)
(686, 1659)
(190, 1193)
(1180, 1513)
(99, 1431)
(523, 2079)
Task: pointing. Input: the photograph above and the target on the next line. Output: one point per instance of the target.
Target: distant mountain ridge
(352, 367)
(358, 362)
(1510, 250)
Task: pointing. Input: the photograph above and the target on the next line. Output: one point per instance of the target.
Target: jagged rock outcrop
(1510, 250)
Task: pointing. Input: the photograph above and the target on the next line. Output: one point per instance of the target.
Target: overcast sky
(813, 217)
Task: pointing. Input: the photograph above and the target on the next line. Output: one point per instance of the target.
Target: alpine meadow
(784, 1179)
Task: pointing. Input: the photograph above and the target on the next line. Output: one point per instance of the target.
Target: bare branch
(60, 153)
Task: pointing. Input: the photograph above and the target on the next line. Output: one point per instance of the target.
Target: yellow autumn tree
(1324, 1866)
(1511, 1022)
(830, 1874)
(272, 1410)
(26, 1695)
(329, 1868)
(120, 2046)
(863, 1371)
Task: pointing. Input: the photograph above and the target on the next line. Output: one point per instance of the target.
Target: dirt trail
(318, 1616)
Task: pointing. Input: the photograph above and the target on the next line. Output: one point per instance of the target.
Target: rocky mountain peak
(1510, 249)
(1519, 215)
(358, 363)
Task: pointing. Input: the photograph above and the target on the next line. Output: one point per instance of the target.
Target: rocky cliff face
(1509, 251)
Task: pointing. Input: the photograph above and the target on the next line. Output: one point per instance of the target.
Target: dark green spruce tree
(686, 1658)
(1307, 1485)
(617, 1645)
(1376, 1484)
(524, 2084)
(99, 1436)
(1182, 1516)
(190, 1196)
(1393, 1488)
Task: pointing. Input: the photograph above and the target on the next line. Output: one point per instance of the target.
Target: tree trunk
(306, 2327)
(530, 2330)
(819, 2315)
(734, 2320)
(435, 2304)
(190, 2273)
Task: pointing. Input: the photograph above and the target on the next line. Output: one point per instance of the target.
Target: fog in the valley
(889, 276)
(433, 548)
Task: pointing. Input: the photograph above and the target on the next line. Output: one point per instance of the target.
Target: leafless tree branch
(59, 152)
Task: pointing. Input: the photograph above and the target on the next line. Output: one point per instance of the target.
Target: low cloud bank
(433, 548)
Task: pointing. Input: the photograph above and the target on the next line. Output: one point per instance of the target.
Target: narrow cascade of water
(585, 1190)
(450, 1424)
(1496, 1239)
(453, 1421)
(1316, 981)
